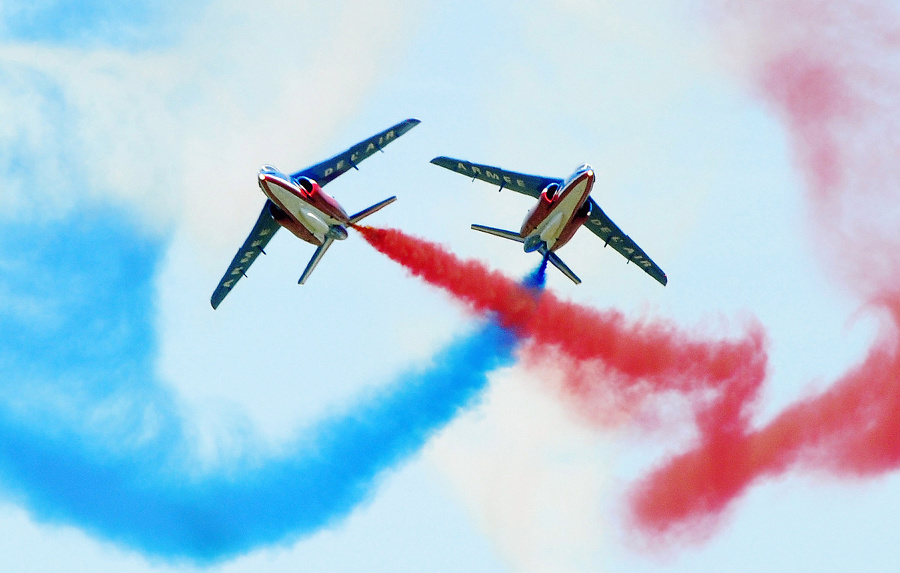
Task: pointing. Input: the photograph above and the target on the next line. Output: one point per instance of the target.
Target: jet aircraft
(563, 207)
(298, 203)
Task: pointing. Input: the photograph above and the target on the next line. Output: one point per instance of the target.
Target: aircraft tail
(366, 212)
(549, 255)
(329, 238)
(559, 264)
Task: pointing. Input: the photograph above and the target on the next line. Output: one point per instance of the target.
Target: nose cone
(267, 173)
(263, 180)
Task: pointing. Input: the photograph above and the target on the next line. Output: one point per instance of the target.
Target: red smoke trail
(642, 358)
(851, 430)
(833, 78)
(832, 75)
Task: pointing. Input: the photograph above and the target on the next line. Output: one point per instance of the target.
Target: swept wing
(330, 169)
(322, 173)
(602, 226)
(530, 185)
(262, 233)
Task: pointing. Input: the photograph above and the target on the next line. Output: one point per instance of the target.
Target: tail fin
(320, 252)
(550, 255)
(315, 260)
(366, 212)
(557, 262)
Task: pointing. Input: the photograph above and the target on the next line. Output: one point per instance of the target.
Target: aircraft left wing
(330, 169)
(530, 185)
(602, 226)
(262, 233)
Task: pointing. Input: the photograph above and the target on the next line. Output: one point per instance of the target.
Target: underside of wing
(530, 185)
(255, 244)
(330, 169)
(602, 226)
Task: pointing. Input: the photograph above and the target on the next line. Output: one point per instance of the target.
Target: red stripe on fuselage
(574, 210)
(315, 199)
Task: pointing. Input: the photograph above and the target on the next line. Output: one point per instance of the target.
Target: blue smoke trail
(76, 340)
(139, 24)
(537, 278)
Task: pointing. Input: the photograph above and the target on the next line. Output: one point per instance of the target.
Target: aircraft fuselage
(559, 212)
(302, 207)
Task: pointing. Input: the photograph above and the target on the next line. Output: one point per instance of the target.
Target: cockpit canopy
(579, 171)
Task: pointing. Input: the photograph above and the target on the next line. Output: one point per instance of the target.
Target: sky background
(129, 146)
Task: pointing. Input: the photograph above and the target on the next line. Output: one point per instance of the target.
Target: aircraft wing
(530, 185)
(602, 226)
(330, 169)
(259, 237)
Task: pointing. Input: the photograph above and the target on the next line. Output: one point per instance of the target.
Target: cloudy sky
(368, 420)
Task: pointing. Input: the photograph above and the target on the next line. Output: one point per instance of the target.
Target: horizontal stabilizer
(557, 262)
(512, 236)
(315, 260)
(366, 212)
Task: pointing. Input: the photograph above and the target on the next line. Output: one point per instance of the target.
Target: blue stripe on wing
(262, 233)
(330, 169)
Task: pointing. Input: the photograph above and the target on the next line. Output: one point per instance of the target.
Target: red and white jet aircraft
(297, 203)
(562, 208)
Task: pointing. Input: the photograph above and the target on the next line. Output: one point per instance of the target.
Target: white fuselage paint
(550, 229)
(573, 195)
(313, 219)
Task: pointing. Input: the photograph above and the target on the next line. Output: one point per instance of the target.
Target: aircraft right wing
(530, 185)
(330, 169)
(262, 233)
(602, 226)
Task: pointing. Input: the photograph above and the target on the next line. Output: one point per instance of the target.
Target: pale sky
(129, 148)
